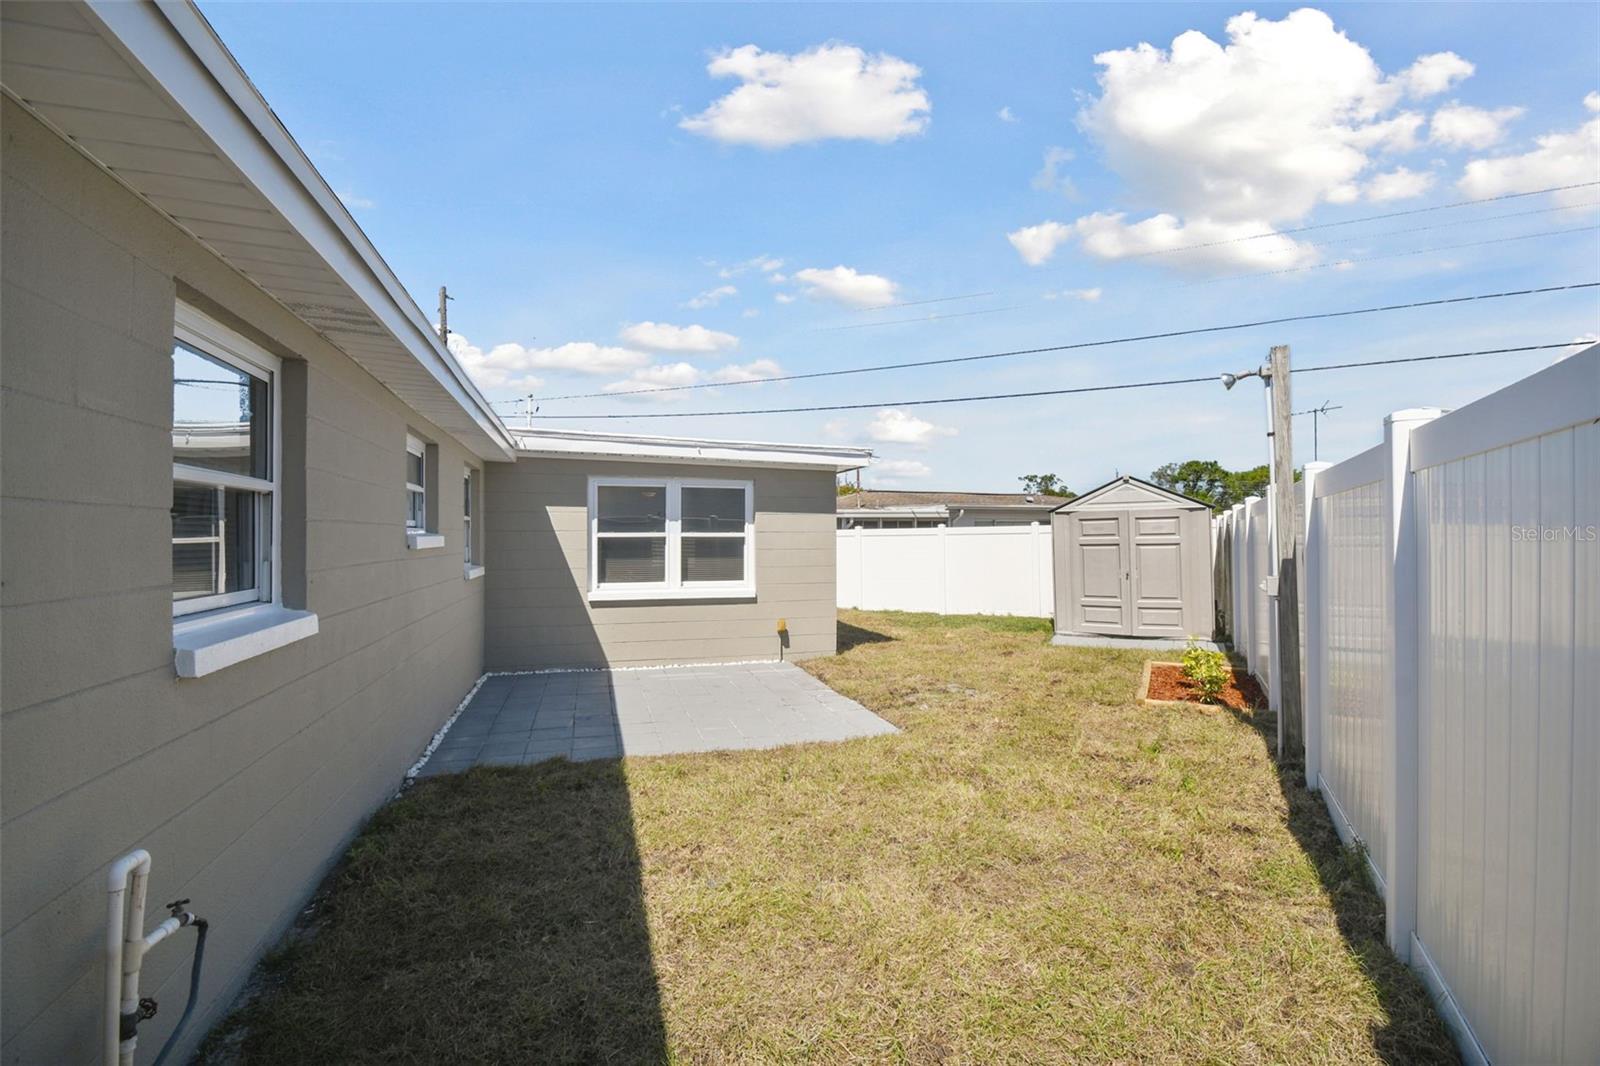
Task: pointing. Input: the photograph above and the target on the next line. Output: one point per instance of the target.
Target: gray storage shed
(1133, 559)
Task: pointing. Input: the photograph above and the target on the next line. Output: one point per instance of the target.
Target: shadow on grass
(854, 636)
(1414, 1033)
(469, 924)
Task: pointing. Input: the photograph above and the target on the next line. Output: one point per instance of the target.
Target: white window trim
(419, 536)
(216, 340)
(420, 450)
(674, 587)
(468, 518)
(216, 636)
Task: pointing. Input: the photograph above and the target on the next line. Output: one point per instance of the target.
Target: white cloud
(661, 337)
(1005, 114)
(833, 90)
(668, 375)
(783, 297)
(1398, 184)
(766, 264)
(501, 373)
(897, 470)
(711, 297)
(894, 426)
(1433, 74)
(512, 365)
(1088, 296)
(357, 203)
(1245, 135)
(757, 370)
(847, 286)
(1036, 244)
(1566, 158)
(662, 375)
(1460, 126)
(1106, 236)
(749, 312)
(1050, 178)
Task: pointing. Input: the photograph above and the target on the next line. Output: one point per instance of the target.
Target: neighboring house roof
(623, 446)
(925, 501)
(1131, 491)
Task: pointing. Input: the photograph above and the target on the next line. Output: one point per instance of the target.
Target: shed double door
(1129, 572)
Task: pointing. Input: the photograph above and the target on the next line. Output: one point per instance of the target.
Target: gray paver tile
(592, 715)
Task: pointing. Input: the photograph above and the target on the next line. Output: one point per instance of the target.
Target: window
(224, 467)
(422, 504)
(471, 554)
(416, 484)
(671, 538)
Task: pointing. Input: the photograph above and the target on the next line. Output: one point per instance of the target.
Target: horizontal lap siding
(243, 785)
(537, 609)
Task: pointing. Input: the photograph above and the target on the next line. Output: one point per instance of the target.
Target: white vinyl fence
(1452, 665)
(959, 570)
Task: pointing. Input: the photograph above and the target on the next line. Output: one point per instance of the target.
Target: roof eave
(177, 48)
(626, 448)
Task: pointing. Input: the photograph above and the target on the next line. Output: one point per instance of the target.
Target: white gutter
(177, 48)
(623, 447)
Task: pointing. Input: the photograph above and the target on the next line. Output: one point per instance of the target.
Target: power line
(936, 300)
(1335, 265)
(1166, 335)
(1338, 263)
(1052, 392)
(1366, 218)
(1475, 220)
(903, 321)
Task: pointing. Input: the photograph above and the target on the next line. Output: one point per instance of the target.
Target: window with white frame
(467, 514)
(673, 536)
(416, 484)
(224, 467)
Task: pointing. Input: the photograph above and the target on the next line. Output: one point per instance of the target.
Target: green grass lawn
(1036, 870)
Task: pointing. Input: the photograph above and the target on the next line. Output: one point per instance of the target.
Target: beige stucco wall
(537, 550)
(243, 784)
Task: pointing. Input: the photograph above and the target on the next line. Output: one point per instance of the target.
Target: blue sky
(591, 181)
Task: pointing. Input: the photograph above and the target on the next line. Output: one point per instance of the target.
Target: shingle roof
(874, 498)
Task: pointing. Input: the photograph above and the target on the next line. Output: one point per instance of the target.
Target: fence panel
(1452, 620)
(1508, 865)
(1351, 606)
(948, 570)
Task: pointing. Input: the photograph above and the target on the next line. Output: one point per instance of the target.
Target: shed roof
(1130, 491)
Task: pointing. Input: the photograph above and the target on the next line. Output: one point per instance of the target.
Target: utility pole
(444, 316)
(1291, 723)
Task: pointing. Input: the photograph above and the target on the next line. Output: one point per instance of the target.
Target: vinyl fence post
(1315, 603)
(1400, 750)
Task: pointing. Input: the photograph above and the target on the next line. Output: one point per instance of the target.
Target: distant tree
(1210, 482)
(847, 489)
(1202, 479)
(1045, 485)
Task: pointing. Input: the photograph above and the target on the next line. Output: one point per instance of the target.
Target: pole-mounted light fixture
(1230, 380)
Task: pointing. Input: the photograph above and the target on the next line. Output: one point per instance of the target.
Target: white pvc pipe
(124, 949)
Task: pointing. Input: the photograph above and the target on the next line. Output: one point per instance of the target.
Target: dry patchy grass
(1035, 870)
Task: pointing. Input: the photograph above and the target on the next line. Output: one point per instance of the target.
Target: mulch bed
(1168, 683)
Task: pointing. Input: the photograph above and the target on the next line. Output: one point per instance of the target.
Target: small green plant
(1208, 671)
